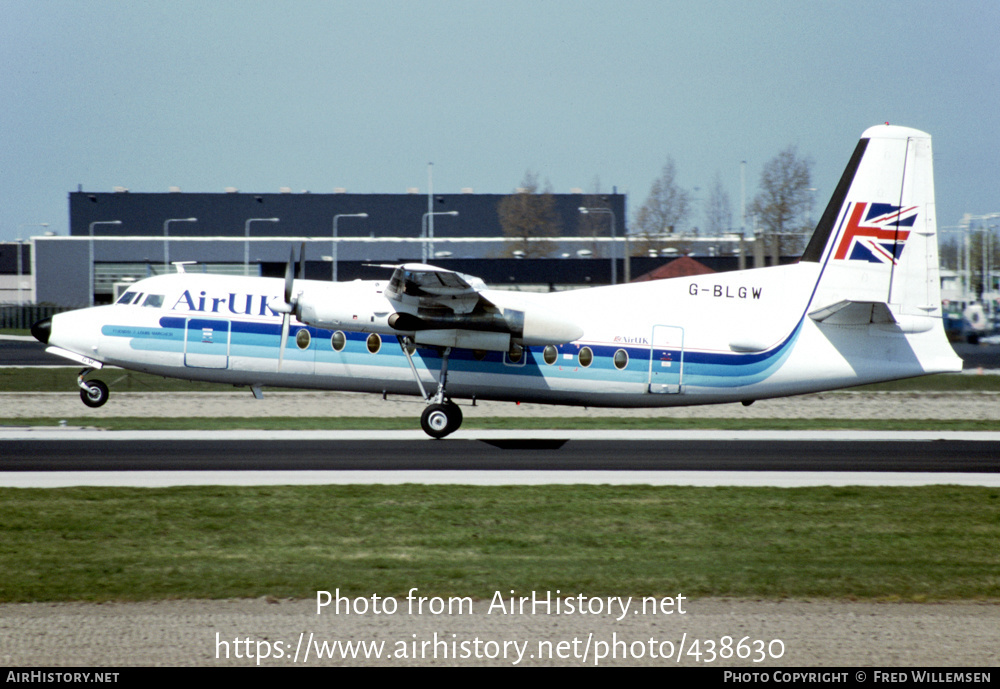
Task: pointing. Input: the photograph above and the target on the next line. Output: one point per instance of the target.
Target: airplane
(862, 305)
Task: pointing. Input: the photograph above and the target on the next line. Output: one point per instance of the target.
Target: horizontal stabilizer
(873, 313)
(849, 312)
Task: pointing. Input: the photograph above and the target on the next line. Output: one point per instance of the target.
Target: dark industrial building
(129, 236)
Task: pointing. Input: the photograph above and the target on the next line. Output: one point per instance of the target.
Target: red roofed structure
(685, 266)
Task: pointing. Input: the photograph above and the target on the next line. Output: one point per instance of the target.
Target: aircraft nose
(42, 330)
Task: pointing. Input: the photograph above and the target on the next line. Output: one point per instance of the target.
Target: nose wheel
(94, 393)
(439, 420)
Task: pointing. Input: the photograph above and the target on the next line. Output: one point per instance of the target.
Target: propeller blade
(289, 275)
(289, 307)
(284, 338)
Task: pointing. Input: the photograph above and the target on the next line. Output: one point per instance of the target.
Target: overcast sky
(315, 95)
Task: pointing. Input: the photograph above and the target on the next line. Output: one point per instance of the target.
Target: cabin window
(621, 359)
(478, 354)
(302, 339)
(153, 301)
(586, 357)
(515, 352)
(550, 354)
(338, 341)
(374, 343)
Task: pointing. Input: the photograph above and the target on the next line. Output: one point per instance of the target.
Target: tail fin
(876, 242)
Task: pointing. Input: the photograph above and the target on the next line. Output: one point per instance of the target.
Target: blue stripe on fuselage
(260, 340)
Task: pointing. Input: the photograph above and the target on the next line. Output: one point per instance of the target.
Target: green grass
(95, 544)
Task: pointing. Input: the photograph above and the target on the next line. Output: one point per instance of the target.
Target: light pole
(246, 242)
(166, 239)
(614, 243)
(987, 241)
(20, 270)
(429, 236)
(341, 215)
(988, 251)
(743, 198)
(90, 256)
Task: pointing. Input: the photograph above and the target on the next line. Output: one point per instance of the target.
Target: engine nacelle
(357, 306)
(533, 327)
(543, 328)
(464, 339)
(361, 306)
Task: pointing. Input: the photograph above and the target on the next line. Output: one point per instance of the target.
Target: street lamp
(90, 256)
(19, 269)
(614, 241)
(166, 240)
(429, 237)
(341, 215)
(246, 242)
(986, 236)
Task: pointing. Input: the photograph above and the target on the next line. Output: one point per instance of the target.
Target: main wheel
(438, 420)
(96, 393)
(454, 416)
(434, 421)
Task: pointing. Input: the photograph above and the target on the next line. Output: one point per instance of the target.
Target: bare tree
(783, 205)
(718, 211)
(666, 207)
(527, 215)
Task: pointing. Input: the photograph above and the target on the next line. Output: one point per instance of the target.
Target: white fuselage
(706, 339)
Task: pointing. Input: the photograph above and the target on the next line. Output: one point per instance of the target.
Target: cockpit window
(154, 301)
(126, 298)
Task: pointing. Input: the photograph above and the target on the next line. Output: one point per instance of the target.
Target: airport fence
(14, 317)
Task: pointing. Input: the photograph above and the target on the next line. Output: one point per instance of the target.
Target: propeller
(290, 304)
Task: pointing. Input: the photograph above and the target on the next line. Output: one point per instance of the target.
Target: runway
(65, 457)
(59, 457)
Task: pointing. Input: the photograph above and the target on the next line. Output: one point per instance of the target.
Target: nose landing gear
(94, 393)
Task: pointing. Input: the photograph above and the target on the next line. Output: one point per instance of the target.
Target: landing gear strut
(94, 393)
(441, 417)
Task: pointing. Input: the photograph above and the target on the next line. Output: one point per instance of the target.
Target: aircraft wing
(429, 298)
(429, 288)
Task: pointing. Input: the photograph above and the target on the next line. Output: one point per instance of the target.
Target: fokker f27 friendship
(862, 305)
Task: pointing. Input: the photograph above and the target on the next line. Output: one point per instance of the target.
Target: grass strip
(97, 544)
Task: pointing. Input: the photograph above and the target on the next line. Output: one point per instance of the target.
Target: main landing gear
(94, 393)
(442, 416)
(438, 420)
